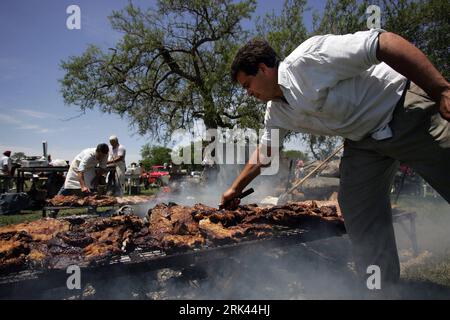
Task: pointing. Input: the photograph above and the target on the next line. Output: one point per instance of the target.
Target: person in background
(83, 171)
(117, 159)
(299, 169)
(6, 172)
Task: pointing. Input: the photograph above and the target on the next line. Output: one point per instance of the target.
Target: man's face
(100, 156)
(114, 143)
(262, 86)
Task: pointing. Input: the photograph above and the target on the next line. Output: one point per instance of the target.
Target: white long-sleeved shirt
(335, 85)
(85, 162)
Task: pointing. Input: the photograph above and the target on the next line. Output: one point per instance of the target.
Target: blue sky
(33, 41)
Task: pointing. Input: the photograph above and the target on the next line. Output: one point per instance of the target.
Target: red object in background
(154, 176)
(405, 169)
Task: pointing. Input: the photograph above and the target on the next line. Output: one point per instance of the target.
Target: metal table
(20, 180)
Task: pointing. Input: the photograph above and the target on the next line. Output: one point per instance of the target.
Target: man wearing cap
(117, 159)
(5, 173)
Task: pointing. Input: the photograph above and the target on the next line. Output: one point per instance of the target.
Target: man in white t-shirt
(380, 93)
(83, 170)
(5, 172)
(117, 159)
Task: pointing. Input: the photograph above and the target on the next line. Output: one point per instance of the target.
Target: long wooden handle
(297, 184)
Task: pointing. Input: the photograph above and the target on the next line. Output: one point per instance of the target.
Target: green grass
(432, 223)
(31, 215)
(435, 269)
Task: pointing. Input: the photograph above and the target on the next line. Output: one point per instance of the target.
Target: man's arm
(83, 186)
(118, 159)
(405, 58)
(251, 170)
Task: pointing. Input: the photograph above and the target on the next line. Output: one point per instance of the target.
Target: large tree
(170, 68)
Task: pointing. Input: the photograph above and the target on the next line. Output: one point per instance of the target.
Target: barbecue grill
(33, 283)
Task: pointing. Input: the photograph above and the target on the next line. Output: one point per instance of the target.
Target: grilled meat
(95, 200)
(52, 243)
(216, 231)
(173, 241)
(75, 201)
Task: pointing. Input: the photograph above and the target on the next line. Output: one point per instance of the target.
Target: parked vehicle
(157, 177)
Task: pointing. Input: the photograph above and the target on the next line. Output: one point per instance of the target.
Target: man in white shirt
(83, 170)
(362, 87)
(5, 172)
(117, 159)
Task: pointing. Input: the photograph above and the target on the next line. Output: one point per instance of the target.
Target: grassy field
(432, 265)
(31, 215)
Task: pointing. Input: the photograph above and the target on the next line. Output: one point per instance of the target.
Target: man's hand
(230, 199)
(85, 189)
(444, 104)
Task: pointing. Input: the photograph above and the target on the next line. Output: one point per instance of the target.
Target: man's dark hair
(253, 53)
(102, 148)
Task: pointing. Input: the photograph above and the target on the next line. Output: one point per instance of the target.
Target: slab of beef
(21, 244)
(172, 241)
(75, 201)
(217, 232)
(52, 243)
(134, 199)
(172, 219)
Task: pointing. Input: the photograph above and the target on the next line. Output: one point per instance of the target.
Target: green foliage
(341, 17)
(294, 154)
(170, 68)
(154, 155)
(17, 156)
(425, 23)
(286, 31)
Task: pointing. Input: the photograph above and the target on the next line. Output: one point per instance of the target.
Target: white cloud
(22, 125)
(35, 114)
(29, 127)
(4, 118)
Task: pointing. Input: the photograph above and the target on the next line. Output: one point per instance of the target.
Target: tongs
(227, 203)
